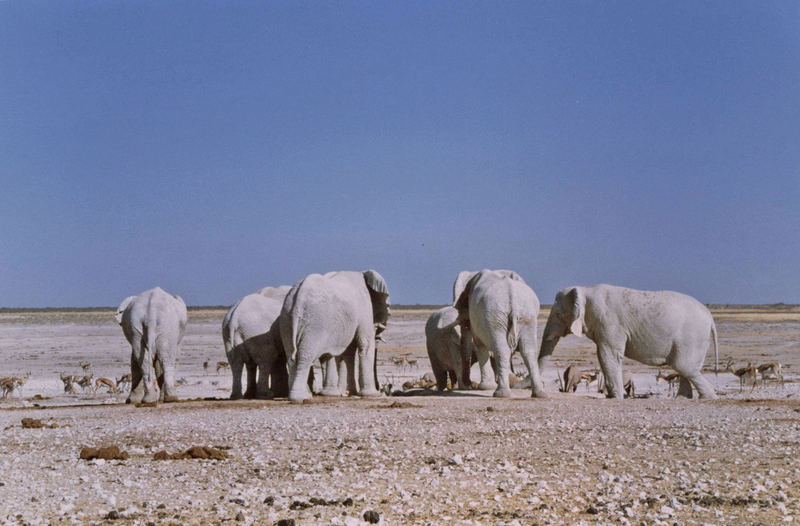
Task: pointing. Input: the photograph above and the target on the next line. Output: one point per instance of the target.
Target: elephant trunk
(552, 333)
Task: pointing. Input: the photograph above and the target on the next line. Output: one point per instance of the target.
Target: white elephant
(334, 316)
(468, 351)
(498, 311)
(153, 323)
(278, 293)
(654, 328)
(444, 344)
(250, 341)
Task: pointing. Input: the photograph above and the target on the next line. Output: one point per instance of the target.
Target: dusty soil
(462, 458)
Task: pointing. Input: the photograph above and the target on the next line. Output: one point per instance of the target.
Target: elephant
(153, 323)
(443, 341)
(498, 310)
(334, 317)
(651, 327)
(250, 341)
(278, 293)
(468, 351)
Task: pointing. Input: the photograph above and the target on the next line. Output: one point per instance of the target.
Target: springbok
(86, 366)
(744, 373)
(85, 383)
(13, 383)
(205, 367)
(770, 370)
(222, 365)
(672, 379)
(570, 379)
(590, 377)
(110, 384)
(123, 381)
(69, 383)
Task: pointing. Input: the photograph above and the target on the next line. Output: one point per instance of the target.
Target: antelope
(744, 373)
(672, 380)
(85, 383)
(399, 361)
(85, 366)
(69, 383)
(205, 367)
(222, 365)
(125, 379)
(589, 378)
(13, 383)
(412, 363)
(770, 370)
(100, 382)
(570, 379)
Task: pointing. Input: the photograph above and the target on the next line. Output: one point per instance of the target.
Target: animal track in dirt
(112, 452)
(197, 452)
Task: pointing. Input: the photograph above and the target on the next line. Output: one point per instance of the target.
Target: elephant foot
(236, 396)
(265, 396)
(502, 393)
(170, 398)
(486, 386)
(329, 391)
(369, 393)
(250, 395)
(150, 399)
(299, 396)
(539, 393)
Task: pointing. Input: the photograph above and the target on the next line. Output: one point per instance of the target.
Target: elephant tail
(512, 334)
(716, 347)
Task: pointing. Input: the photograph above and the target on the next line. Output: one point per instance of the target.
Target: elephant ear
(375, 282)
(122, 307)
(379, 294)
(462, 303)
(461, 281)
(577, 301)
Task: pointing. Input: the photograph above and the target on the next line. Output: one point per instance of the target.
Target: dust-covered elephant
(250, 342)
(651, 327)
(153, 323)
(443, 342)
(334, 316)
(498, 310)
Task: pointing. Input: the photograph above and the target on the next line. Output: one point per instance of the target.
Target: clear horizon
(213, 148)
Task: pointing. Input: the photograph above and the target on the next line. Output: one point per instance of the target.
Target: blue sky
(215, 148)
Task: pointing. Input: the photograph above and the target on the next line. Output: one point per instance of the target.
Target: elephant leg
(440, 373)
(610, 363)
(299, 389)
(366, 356)
(148, 375)
(168, 386)
(159, 370)
(330, 377)
(487, 374)
(502, 358)
(137, 388)
(236, 362)
(465, 351)
(252, 371)
(684, 388)
(703, 386)
(347, 373)
(279, 379)
(528, 348)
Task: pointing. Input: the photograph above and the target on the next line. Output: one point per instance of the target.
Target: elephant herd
(277, 333)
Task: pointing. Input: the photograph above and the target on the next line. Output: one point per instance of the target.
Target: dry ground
(457, 459)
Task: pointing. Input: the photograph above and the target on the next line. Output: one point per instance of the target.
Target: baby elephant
(654, 328)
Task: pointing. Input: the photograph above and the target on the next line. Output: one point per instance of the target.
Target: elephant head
(566, 317)
(379, 294)
(122, 307)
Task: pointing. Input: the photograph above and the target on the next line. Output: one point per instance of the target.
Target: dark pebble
(372, 517)
(112, 515)
(285, 522)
